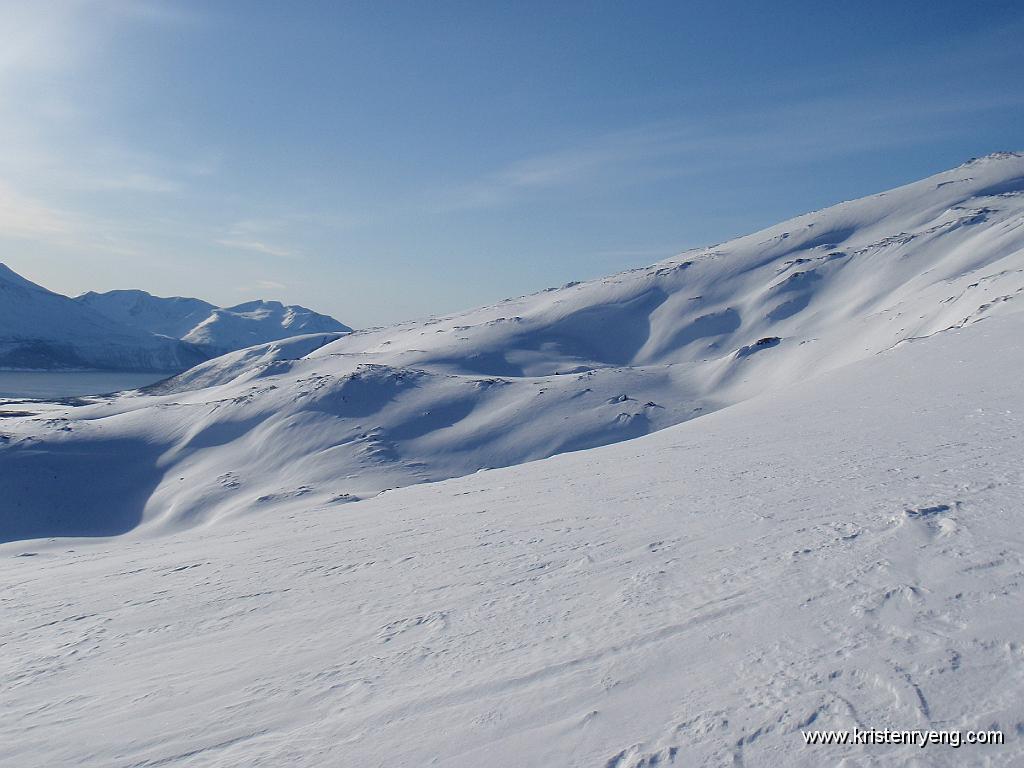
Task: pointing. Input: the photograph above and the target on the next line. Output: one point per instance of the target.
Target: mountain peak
(130, 329)
(212, 328)
(993, 157)
(9, 276)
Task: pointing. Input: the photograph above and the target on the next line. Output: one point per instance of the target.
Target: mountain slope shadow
(611, 333)
(97, 488)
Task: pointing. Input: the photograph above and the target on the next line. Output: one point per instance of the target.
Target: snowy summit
(134, 331)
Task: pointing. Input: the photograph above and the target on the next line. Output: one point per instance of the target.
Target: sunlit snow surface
(824, 531)
(846, 551)
(564, 370)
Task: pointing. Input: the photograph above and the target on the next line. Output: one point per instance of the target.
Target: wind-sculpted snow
(567, 369)
(843, 553)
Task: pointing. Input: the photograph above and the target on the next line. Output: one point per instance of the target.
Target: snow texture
(564, 370)
(847, 551)
(824, 532)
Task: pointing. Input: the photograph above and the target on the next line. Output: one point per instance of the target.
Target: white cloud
(777, 136)
(258, 247)
(261, 285)
(260, 236)
(58, 165)
(23, 217)
(26, 218)
(135, 181)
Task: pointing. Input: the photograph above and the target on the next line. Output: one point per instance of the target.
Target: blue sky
(387, 160)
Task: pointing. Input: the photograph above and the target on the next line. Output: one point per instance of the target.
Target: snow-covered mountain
(592, 363)
(824, 534)
(134, 331)
(258, 322)
(42, 329)
(215, 329)
(173, 316)
(844, 553)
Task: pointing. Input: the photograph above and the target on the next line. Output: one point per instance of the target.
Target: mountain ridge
(571, 368)
(40, 329)
(214, 329)
(131, 330)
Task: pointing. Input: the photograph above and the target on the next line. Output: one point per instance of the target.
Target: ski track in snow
(843, 552)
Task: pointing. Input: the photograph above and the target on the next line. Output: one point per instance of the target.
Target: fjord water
(54, 385)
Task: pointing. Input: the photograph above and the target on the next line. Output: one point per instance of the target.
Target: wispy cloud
(619, 153)
(261, 285)
(259, 236)
(776, 136)
(132, 181)
(53, 158)
(258, 247)
(29, 219)
(23, 217)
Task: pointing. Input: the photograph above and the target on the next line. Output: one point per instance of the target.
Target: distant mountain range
(132, 330)
(214, 329)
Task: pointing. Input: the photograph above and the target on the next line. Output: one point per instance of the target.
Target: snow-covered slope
(42, 329)
(258, 322)
(567, 369)
(216, 330)
(843, 553)
(173, 316)
(134, 331)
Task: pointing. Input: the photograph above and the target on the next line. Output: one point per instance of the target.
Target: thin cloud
(25, 218)
(775, 137)
(258, 247)
(133, 181)
(260, 236)
(261, 285)
(49, 152)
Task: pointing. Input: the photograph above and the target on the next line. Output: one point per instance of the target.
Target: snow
(134, 331)
(258, 322)
(564, 370)
(40, 329)
(174, 316)
(817, 525)
(214, 329)
(843, 551)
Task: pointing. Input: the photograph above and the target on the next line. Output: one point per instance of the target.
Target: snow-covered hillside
(258, 322)
(846, 552)
(214, 329)
(134, 331)
(42, 329)
(173, 316)
(567, 369)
